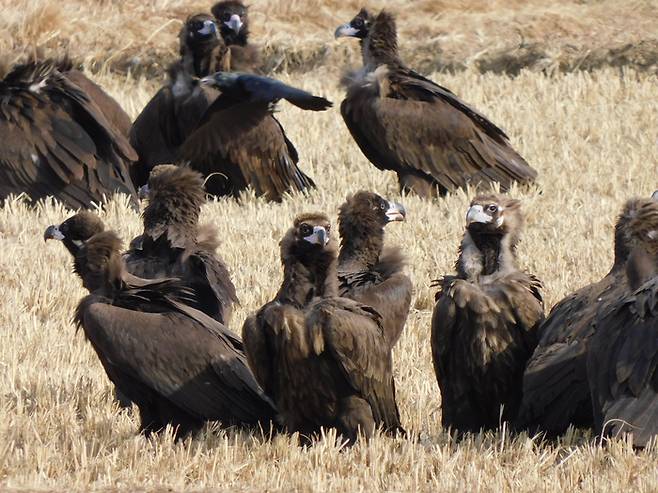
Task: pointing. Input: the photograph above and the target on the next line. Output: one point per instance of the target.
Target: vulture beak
(53, 233)
(395, 212)
(143, 192)
(208, 28)
(654, 196)
(318, 237)
(346, 30)
(234, 23)
(476, 214)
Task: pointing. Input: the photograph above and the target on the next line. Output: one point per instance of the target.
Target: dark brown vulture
(240, 144)
(406, 123)
(178, 365)
(173, 244)
(56, 141)
(368, 272)
(233, 19)
(622, 361)
(322, 359)
(484, 325)
(556, 392)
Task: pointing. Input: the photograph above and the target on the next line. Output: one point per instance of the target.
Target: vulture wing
(268, 90)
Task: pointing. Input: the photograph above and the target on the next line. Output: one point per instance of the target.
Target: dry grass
(593, 139)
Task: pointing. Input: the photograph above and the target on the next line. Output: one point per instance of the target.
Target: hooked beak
(345, 30)
(208, 28)
(476, 214)
(53, 233)
(235, 23)
(318, 237)
(395, 212)
(143, 192)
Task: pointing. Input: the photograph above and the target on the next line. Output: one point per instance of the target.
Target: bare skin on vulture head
(484, 325)
(321, 358)
(368, 272)
(75, 231)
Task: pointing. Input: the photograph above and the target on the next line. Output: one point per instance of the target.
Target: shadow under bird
(232, 17)
(556, 391)
(57, 141)
(323, 359)
(174, 245)
(367, 271)
(404, 122)
(484, 325)
(622, 360)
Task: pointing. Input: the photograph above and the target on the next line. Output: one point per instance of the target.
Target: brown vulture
(484, 325)
(322, 359)
(622, 361)
(406, 123)
(367, 272)
(173, 244)
(233, 19)
(556, 391)
(57, 141)
(177, 364)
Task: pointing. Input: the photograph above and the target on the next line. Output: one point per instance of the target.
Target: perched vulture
(322, 359)
(556, 392)
(57, 141)
(484, 325)
(622, 361)
(173, 244)
(367, 272)
(176, 109)
(177, 364)
(406, 123)
(233, 19)
(239, 143)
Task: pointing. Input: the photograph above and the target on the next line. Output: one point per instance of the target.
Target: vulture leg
(411, 183)
(355, 419)
(122, 399)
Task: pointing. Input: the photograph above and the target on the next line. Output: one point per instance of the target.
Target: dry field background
(593, 138)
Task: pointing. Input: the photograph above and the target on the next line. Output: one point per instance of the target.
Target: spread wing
(408, 124)
(266, 89)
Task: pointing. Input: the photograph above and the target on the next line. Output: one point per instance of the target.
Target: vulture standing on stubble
(622, 361)
(406, 123)
(367, 271)
(556, 391)
(484, 325)
(233, 19)
(173, 244)
(56, 141)
(322, 359)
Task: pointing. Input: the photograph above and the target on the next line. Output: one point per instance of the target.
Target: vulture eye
(305, 229)
(358, 22)
(492, 208)
(226, 17)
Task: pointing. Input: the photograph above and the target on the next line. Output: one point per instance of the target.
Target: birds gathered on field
(319, 355)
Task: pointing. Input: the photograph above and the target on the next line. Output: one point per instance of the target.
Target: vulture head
(378, 35)
(99, 264)
(198, 32)
(75, 231)
(357, 27)
(309, 240)
(625, 239)
(642, 263)
(232, 17)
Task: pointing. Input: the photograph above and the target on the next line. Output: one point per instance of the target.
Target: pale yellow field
(593, 137)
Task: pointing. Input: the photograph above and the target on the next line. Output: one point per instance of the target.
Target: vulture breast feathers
(367, 271)
(56, 141)
(406, 123)
(323, 359)
(556, 391)
(178, 365)
(622, 361)
(484, 325)
(232, 17)
(173, 244)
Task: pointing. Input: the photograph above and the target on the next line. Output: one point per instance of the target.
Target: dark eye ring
(492, 208)
(358, 22)
(226, 17)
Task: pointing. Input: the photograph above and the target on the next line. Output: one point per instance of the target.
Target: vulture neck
(622, 250)
(206, 59)
(485, 254)
(307, 276)
(641, 267)
(174, 218)
(361, 246)
(381, 46)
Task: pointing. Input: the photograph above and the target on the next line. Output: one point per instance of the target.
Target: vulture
(556, 391)
(233, 19)
(178, 365)
(238, 142)
(484, 325)
(58, 140)
(322, 359)
(622, 361)
(367, 272)
(405, 123)
(173, 244)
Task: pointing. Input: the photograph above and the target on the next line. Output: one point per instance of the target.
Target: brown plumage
(622, 360)
(368, 272)
(322, 359)
(484, 325)
(232, 17)
(406, 123)
(56, 141)
(555, 388)
(173, 244)
(178, 365)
